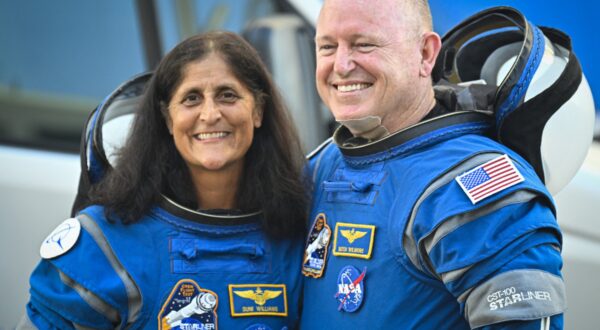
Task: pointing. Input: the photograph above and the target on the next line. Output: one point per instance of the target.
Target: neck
(216, 189)
(413, 114)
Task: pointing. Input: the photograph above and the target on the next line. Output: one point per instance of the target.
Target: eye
(365, 47)
(228, 96)
(192, 99)
(326, 49)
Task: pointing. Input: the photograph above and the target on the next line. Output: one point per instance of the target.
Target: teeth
(353, 87)
(215, 135)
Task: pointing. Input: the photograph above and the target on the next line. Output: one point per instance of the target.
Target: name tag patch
(189, 307)
(315, 253)
(353, 240)
(258, 299)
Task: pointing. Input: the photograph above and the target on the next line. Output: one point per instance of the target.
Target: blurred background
(60, 58)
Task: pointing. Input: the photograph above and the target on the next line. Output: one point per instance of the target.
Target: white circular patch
(61, 239)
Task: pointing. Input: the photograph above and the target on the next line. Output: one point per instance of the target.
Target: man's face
(368, 60)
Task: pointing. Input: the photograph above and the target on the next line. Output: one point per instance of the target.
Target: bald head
(415, 13)
(424, 14)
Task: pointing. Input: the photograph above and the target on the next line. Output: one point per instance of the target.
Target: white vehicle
(63, 57)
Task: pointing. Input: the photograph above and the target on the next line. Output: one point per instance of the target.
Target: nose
(344, 61)
(210, 112)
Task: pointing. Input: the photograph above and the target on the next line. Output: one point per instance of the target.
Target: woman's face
(212, 116)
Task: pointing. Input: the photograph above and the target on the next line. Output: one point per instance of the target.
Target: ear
(430, 48)
(257, 116)
(169, 124)
(165, 112)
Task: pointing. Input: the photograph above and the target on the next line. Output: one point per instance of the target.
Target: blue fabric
(517, 93)
(397, 293)
(163, 253)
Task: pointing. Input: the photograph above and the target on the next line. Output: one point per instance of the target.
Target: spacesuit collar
(209, 217)
(354, 146)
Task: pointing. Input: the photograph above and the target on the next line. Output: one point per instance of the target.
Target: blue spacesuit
(173, 269)
(433, 227)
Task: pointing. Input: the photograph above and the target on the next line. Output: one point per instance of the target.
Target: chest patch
(489, 178)
(259, 326)
(189, 307)
(350, 289)
(353, 240)
(317, 244)
(258, 299)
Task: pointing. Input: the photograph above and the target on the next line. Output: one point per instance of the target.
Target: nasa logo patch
(350, 289)
(258, 326)
(189, 307)
(317, 244)
(61, 239)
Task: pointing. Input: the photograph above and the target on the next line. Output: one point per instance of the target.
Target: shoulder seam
(319, 148)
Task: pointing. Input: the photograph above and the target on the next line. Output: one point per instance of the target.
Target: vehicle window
(58, 60)
(183, 18)
(61, 58)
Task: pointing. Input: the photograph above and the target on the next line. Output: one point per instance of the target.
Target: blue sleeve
(77, 289)
(500, 258)
(520, 294)
(55, 303)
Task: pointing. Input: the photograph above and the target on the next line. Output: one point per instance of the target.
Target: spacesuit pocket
(222, 254)
(353, 192)
(352, 186)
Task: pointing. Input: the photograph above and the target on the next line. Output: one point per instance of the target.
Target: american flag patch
(489, 178)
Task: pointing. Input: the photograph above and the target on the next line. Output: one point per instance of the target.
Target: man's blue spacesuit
(174, 269)
(419, 231)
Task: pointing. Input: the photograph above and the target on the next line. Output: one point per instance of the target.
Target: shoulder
(464, 153)
(490, 195)
(320, 149)
(79, 279)
(321, 158)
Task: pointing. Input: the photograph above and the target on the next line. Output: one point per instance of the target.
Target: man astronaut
(457, 230)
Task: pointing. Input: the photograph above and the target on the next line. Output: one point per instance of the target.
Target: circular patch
(258, 326)
(61, 239)
(351, 289)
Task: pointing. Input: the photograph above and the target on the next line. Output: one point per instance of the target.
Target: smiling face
(369, 61)
(212, 116)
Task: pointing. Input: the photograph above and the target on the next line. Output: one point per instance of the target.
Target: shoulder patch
(489, 178)
(61, 239)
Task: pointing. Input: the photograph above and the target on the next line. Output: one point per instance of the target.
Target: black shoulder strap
(522, 128)
(82, 198)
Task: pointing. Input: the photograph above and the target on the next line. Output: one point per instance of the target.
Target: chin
(209, 164)
(349, 113)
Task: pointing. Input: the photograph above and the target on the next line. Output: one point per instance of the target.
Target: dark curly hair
(149, 164)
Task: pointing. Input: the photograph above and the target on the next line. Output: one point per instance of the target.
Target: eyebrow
(331, 39)
(218, 88)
